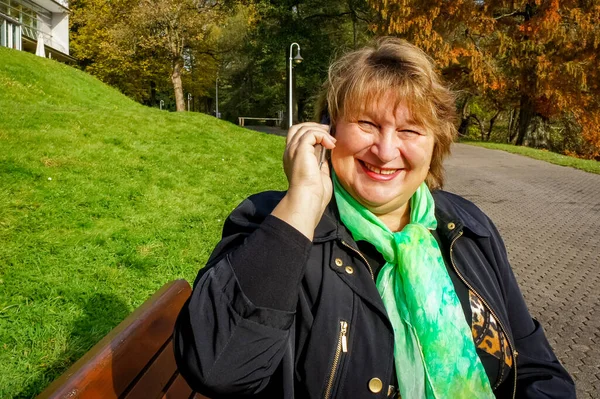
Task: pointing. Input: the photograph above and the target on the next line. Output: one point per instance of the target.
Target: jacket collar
(455, 214)
(452, 219)
(330, 226)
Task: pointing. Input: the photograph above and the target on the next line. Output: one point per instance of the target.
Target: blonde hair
(364, 76)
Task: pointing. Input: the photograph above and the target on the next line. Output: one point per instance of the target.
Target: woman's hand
(310, 187)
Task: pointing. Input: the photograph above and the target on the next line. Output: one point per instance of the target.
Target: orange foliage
(590, 132)
(546, 52)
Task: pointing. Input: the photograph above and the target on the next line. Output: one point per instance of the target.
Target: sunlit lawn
(102, 201)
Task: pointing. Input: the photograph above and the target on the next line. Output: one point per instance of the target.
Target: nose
(386, 147)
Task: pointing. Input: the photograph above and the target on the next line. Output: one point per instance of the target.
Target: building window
(17, 37)
(27, 16)
(3, 39)
(10, 35)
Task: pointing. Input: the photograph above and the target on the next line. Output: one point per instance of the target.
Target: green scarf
(434, 351)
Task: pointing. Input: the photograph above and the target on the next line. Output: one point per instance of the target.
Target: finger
(305, 136)
(302, 127)
(316, 138)
(328, 141)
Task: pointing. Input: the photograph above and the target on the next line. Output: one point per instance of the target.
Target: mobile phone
(322, 154)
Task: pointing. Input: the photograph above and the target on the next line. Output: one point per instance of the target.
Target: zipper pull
(344, 328)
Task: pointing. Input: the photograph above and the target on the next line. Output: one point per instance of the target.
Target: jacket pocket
(341, 350)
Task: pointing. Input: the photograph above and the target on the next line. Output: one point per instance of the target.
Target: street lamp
(297, 59)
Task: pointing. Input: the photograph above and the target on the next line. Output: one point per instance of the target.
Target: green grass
(551, 157)
(102, 201)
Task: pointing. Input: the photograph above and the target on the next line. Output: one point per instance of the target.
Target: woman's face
(382, 157)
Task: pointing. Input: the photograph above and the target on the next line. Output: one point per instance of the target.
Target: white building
(30, 24)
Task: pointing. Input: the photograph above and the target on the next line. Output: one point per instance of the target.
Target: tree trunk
(152, 101)
(492, 121)
(177, 85)
(480, 123)
(511, 126)
(465, 119)
(526, 110)
(526, 114)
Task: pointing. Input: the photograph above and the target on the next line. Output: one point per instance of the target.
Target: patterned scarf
(434, 352)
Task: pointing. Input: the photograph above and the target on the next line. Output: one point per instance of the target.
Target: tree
(177, 31)
(111, 54)
(256, 75)
(135, 44)
(539, 57)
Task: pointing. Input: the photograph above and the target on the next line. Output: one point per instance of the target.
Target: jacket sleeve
(231, 335)
(539, 373)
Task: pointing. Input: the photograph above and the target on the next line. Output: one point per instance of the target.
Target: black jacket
(263, 323)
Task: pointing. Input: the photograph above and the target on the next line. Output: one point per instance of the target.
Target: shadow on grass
(101, 313)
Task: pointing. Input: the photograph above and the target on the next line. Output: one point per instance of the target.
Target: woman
(364, 279)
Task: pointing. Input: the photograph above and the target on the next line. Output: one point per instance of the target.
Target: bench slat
(108, 369)
(179, 389)
(156, 377)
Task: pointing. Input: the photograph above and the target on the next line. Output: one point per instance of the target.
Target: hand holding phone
(310, 187)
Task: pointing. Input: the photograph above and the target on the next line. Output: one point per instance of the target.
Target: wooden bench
(135, 360)
(242, 119)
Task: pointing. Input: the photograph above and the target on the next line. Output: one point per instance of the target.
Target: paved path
(549, 217)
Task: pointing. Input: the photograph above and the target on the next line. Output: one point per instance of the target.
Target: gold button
(375, 385)
(338, 262)
(451, 226)
(349, 269)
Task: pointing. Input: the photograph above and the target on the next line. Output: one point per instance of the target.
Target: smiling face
(382, 156)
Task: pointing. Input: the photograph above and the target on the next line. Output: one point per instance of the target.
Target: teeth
(379, 171)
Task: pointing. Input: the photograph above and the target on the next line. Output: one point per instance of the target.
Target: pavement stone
(549, 218)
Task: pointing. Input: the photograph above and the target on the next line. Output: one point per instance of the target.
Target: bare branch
(510, 14)
(326, 15)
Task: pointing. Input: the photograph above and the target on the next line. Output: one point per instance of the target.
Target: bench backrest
(135, 360)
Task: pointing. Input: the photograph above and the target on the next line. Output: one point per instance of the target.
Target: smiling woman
(381, 158)
(365, 279)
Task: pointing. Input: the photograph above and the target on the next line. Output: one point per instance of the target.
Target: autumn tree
(177, 31)
(111, 54)
(135, 44)
(537, 57)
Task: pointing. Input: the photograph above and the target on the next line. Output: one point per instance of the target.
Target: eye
(366, 123)
(409, 133)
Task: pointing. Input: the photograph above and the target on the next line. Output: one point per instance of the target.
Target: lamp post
(297, 59)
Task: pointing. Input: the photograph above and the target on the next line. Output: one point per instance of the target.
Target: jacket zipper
(342, 346)
(512, 348)
(362, 257)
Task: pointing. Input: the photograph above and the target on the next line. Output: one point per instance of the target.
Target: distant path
(549, 217)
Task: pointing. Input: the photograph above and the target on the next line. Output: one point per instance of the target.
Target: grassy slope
(551, 157)
(102, 201)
